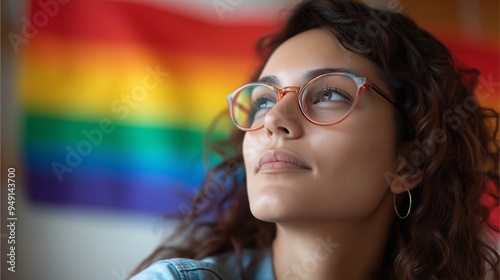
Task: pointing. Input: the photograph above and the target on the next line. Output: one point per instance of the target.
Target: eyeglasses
(325, 100)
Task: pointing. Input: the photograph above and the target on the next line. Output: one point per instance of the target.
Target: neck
(334, 249)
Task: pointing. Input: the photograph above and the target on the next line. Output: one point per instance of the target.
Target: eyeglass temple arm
(383, 94)
(230, 99)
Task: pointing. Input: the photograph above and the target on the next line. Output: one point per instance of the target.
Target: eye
(262, 103)
(331, 95)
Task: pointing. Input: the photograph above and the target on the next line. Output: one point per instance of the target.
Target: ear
(408, 177)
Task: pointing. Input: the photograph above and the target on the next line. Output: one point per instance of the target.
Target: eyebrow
(309, 75)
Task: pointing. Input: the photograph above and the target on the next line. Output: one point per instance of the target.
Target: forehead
(314, 49)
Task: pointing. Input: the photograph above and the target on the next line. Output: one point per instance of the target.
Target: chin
(277, 200)
(266, 211)
(269, 210)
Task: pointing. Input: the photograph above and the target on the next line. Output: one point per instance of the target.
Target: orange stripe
(85, 81)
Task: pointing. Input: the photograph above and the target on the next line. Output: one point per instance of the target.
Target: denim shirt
(222, 267)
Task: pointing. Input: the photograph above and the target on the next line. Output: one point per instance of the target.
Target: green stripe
(55, 131)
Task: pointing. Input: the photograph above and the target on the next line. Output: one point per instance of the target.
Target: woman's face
(319, 173)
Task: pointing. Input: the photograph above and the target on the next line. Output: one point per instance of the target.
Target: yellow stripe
(101, 81)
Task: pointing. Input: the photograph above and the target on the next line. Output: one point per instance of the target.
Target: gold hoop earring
(396, 208)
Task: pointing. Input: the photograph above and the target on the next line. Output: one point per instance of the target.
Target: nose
(285, 119)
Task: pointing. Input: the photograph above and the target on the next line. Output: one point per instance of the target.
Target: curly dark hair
(455, 147)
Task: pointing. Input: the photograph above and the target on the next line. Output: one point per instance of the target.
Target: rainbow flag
(117, 95)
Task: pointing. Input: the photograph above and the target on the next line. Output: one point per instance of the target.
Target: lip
(279, 160)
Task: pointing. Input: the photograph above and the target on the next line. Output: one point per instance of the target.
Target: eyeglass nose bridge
(287, 89)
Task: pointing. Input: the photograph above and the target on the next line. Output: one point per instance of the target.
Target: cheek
(351, 168)
(355, 162)
(250, 158)
(252, 150)
(249, 149)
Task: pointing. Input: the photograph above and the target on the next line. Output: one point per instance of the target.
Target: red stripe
(156, 27)
(477, 57)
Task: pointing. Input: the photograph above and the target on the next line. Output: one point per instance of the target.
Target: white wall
(63, 243)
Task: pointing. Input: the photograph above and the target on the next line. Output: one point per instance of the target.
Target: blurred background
(105, 105)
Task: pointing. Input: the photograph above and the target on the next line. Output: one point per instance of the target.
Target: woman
(353, 164)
